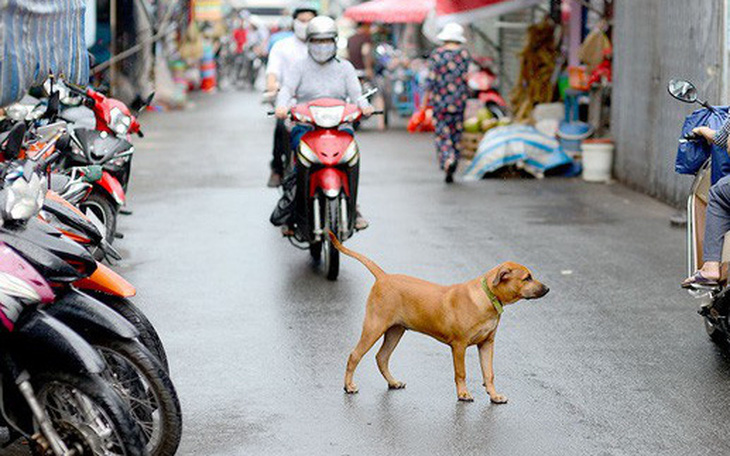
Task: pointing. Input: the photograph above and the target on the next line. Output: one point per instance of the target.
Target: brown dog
(458, 315)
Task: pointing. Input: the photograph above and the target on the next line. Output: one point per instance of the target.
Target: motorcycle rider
(285, 54)
(717, 221)
(320, 75)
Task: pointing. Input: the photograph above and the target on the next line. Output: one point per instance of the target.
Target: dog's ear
(501, 274)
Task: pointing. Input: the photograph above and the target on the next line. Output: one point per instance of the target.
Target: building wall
(655, 41)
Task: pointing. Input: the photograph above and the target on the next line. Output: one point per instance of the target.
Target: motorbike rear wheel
(714, 332)
(330, 253)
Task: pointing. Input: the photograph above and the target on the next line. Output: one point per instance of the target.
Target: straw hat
(452, 32)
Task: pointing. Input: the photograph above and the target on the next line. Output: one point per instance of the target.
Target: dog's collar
(492, 297)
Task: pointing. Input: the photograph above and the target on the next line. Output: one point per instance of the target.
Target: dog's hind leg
(391, 339)
(371, 332)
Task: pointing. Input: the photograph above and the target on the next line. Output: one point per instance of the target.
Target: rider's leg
(281, 149)
(717, 223)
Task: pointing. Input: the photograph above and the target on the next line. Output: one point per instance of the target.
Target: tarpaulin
(467, 11)
(391, 11)
(38, 37)
(520, 145)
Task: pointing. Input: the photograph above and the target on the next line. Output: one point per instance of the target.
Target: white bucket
(597, 161)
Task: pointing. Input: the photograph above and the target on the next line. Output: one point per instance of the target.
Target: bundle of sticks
(537, 67)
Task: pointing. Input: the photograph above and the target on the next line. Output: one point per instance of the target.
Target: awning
(391, 11)
(39, 37)
(467, 11)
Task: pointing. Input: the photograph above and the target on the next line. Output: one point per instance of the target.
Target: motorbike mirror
(54, 101)
(682, 90)
(14, 141)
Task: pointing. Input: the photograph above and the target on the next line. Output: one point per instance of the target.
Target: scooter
(135, 372)
(328, 162)
(714, 301)
(483, 83)
(46, 363)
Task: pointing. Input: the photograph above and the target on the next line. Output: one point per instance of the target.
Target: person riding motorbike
(717, 221)
(285, 54)
(320, 75)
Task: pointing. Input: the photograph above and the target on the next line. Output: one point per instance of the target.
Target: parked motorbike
(483, 83)
(54, 388)
(134, 372)
(327, 162)
(714, 301)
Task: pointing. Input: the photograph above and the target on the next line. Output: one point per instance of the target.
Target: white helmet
(321, 27)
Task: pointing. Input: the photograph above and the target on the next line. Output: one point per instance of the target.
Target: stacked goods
(535, 84)
(474, 129)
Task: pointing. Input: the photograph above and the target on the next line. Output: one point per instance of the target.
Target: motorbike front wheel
(88, 415)
(144, 384)
(329, 252)
(147, 333)
(103, 209)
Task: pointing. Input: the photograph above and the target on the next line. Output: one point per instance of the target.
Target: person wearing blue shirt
(717, 220)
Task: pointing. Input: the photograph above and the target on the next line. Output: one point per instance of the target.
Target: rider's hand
(368, 111)
(705, 132)
(281, 112)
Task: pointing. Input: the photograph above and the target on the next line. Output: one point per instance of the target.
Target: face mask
(300, 29)
(322, 52)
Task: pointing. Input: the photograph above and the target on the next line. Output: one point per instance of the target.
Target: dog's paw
(351, 388)
(498, 399)
(396, 385)
(466, 397)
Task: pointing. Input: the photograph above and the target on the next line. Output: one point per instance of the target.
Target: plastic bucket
(597, 161)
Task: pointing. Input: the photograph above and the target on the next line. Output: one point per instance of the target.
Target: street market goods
(537, 67)
(458, 315)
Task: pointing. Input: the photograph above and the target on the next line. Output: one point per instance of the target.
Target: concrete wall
(654, 41)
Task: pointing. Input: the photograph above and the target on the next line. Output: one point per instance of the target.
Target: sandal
(450, 167)
(698, 280)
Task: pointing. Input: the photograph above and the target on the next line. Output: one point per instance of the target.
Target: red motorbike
(483, 83)
(327, 164)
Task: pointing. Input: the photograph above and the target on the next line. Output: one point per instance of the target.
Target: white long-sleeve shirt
(285, 53)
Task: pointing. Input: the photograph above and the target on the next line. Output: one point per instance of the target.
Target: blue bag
(691, 155)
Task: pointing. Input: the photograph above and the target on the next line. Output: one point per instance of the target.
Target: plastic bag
(421, 120)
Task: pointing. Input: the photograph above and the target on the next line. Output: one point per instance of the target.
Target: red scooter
(483, 83)
(327, 164)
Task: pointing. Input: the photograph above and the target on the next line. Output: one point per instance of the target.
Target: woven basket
(470, 144)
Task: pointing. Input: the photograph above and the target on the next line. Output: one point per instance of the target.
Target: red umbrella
(391, 11)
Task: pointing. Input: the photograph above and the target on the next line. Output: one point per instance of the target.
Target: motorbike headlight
(119, 122)
(327, 116)
(14, 287)
(24, 198)
(351, 154)
(307, 155)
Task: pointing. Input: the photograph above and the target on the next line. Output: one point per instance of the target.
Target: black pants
(282, 148)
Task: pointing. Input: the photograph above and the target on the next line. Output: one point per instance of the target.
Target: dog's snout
(545, 290)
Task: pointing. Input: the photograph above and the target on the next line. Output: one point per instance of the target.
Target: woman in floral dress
(447, 91)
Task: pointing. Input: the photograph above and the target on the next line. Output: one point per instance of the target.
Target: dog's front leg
(458, 351)
(486, 359)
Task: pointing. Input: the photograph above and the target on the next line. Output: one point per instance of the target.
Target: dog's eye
(528, 278)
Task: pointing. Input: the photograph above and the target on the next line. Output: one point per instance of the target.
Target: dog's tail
(370, 264)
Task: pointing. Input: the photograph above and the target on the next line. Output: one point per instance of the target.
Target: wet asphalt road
(614, 361)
